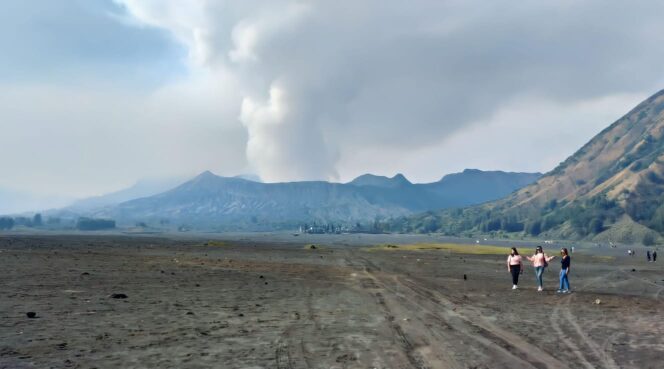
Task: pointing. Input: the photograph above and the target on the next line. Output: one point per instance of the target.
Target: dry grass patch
(449, 247)
(216, 243)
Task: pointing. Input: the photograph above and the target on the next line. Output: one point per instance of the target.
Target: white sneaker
(539, 289)
(514, 287)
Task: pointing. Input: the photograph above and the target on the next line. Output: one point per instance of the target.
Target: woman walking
(540, 261)
(564, 271)
(514, 266)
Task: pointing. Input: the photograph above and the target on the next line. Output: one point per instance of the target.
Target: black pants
(515, 270)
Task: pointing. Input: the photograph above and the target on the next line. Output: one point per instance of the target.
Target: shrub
(90, 224)
(534, 228)
(6, 223)
(648, 239)
(596, 226)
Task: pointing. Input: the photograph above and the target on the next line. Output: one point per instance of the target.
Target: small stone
(118, 296)
(31, 314)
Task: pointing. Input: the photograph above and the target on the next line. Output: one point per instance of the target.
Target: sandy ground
(259, 304)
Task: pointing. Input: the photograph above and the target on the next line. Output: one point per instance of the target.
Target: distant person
(654, 256)
(564, 271)
(572, 249)
(648, 255)
(514, 266)
(540, 261)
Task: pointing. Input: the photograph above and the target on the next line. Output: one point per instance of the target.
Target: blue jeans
(538, 275)
(564, 282)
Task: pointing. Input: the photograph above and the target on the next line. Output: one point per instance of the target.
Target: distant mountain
(16, 202)
(142, 188)
(474, 186)
(611, 189)
(381, 181)
(213, 202)
(249, 177)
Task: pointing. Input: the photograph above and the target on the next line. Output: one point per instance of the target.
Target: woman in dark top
(564, 271)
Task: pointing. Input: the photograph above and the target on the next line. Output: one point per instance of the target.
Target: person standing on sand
(654, 256)
(648, 255)
(540, 261)
(514, 266)
(564, 271)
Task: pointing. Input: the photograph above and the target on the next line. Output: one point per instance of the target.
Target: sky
(97, 94)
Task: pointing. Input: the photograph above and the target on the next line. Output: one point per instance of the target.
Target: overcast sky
(96, 94)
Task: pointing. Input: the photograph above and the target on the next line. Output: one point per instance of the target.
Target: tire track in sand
(511, 346)
(563, 312)
(286, 349)
(659, 288)
(493, 340)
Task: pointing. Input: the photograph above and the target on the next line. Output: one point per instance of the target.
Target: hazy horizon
(97, 95)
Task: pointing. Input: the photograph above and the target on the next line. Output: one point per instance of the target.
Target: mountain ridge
(208, 201)
(613, 182)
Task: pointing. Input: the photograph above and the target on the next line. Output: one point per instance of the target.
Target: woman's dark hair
(514, 250)
(539, 249)
(564, 250)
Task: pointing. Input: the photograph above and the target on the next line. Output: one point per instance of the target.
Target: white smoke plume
(324, 85)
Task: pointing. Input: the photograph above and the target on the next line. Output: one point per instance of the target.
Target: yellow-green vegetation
(216, 243)
(449, 247)
(312, 247)
(603, 258)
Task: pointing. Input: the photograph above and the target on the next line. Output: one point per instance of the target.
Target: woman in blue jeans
(564, 271)
(540, 261)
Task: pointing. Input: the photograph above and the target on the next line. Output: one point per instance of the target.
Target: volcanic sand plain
(254, 303)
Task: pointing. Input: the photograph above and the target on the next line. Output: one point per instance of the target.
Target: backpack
(546, 263)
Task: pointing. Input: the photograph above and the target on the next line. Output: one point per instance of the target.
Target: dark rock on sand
(118, 296)
(31, 314)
